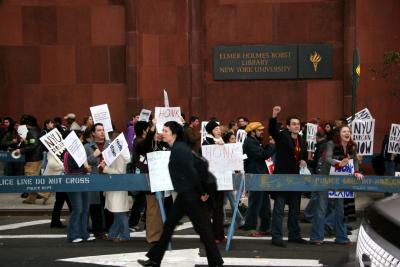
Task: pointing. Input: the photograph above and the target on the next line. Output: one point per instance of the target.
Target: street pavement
(26, 239)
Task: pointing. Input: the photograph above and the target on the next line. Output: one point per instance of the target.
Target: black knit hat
(211, 125)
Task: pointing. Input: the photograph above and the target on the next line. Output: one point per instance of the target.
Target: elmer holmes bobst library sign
(294, 61)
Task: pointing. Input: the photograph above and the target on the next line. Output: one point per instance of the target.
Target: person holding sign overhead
(339, 158)
(189, 200)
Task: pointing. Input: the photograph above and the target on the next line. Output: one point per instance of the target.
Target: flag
(355, 80)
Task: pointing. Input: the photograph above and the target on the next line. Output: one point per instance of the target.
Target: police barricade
(251, 182)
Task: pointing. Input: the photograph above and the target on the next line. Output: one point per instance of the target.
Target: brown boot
(45, 197)
(31, 199)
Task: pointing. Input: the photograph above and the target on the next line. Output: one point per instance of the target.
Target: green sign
(252, 62)
(255, 62)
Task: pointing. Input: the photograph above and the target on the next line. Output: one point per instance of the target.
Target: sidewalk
(11, 203)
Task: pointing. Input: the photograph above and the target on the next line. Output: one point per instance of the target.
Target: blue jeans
(259, 207)
(318, 226)
(120, 226)
(309, 210)
(293, 201)
(78, 221)
(230, 197)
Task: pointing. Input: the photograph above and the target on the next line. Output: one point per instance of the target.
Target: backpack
(207, 179)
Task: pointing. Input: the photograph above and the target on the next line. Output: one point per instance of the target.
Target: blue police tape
(253, 182)
(5, 156)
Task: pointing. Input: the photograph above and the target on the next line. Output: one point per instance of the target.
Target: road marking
(187, 258)
(24, 224)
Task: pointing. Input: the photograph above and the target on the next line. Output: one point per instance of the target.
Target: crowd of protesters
(113, 214)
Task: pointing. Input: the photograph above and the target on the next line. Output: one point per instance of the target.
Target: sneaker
(77, 240)
(90, 239)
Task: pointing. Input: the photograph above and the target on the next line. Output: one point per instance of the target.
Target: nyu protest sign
(160, 180)
(164, 114)
(363, 136)
(311, 136)
(361, 115)
(145, 115)
(101, 114)
(241, 136)
(345, 170)
(394, 139)
(114, 149)
(53, 141)
(75, 148)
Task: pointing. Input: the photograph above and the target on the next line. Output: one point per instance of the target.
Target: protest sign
(145, 115)
(160, 179)
(22, 131)
(397, 174)
(311, 136)
(203, 131)
(164, 114)
(114, 149)
(241, 136)
(394, 139)
(75, 148)
(345, 170)
(166, 100)
(101, 114)
(53, 141)
(361, 115)
(224, 159)
(363, 136)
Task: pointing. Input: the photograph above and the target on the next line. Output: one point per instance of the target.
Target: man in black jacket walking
(259, 202)
(291, 154)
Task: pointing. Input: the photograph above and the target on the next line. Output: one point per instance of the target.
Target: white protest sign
(114, 149)
(145, 115)
(345, 170)
(101, 114)
(53, 141)
(361, 115)
(394, 139)
(22, 131)
(363, 136)
(75, 148)
(160, 179)
(397, 174)
(224, 159)
(241, 136)
(203, 131)
(311, 136)
(166, 100)
(164, 114)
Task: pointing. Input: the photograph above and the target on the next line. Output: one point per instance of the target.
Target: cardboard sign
(160, 179)
(345, 170)
(361, 115)
(53, 141)
(363, 136)
(145, 115)
(114, 149)
(311, 136)
(22, 131)
(241, 135)
(164, 114)
(394, 139)
(101, 114)
(75, 148)
(223, 161)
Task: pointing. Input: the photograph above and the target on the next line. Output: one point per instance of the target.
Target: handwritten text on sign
(164, 114)
(345, 170)
(311, 136)
(101, 114)
(114, 149)
(75, 148)
(394, 139)
(363, 135)
(160, 179)
(53, 141)
(361, 115)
